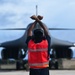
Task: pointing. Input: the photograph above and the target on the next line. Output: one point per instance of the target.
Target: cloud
(54, 12)
(12, 14)
(10, 35)
(5, 19)
(10, 1)
(13, 20)
(57, 13)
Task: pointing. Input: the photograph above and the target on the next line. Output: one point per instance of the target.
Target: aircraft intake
(64, 53)
(12, 54)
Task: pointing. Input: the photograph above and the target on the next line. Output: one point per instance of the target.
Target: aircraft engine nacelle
(12, 53)
(64, 53)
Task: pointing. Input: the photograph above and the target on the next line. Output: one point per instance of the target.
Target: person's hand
(40, 17)
(36, 17)
(33, 17)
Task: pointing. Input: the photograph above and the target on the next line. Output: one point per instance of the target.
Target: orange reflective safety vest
(38, 54)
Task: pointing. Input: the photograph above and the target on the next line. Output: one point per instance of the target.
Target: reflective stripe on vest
(37, 50)
(39, 64)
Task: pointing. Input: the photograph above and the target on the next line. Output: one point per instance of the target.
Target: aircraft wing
(54, 43)
(60, 43)
(13, 44)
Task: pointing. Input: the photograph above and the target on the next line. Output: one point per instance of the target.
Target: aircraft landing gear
(19, 62)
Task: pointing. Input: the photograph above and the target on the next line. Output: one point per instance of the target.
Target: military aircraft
(14, 49)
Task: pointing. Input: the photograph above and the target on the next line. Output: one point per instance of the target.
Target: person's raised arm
(38, 19)
(44, 27)
(31, 27)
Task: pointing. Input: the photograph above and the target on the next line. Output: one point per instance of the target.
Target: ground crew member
(38, 42)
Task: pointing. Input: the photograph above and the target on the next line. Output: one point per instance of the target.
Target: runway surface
(52, 72)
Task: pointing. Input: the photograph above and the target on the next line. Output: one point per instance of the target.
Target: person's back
(38, 57)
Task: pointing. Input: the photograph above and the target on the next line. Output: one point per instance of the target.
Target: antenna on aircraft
(37, 15)
(36, 10)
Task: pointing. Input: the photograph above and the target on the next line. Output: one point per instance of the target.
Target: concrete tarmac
(52, 72)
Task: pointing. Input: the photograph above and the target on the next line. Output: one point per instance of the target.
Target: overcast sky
(56, 13)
